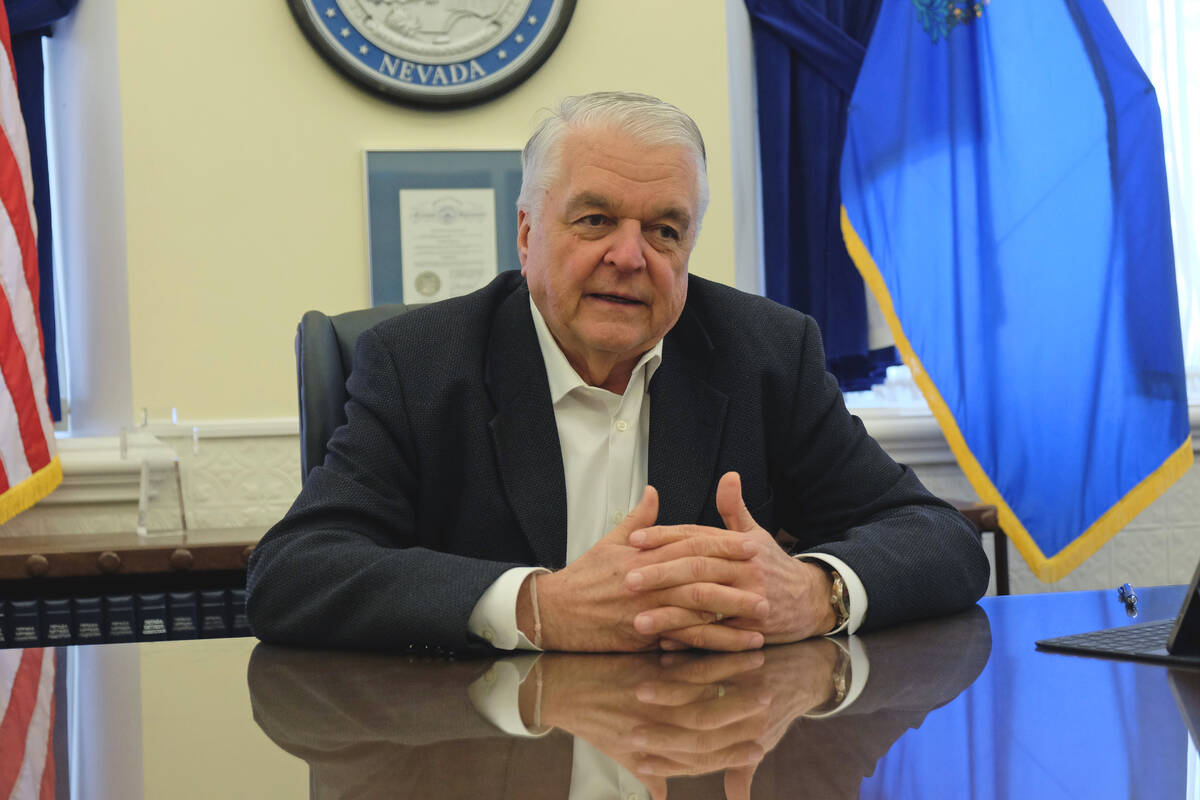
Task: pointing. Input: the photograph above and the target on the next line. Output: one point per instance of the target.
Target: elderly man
(598, 454)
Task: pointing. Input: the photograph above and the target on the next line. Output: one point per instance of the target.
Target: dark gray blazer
(448, 472)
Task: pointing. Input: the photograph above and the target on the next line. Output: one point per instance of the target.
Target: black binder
(214, 614)
(182, 622)
(87, 620)
(237, 605)
(56, 623)
(151, 616)
(23, 624)
(118, 618)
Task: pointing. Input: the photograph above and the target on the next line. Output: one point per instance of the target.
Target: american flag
(29, 465)
(27, 725)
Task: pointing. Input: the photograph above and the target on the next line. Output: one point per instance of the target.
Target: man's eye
(667, 232)
(594, 220)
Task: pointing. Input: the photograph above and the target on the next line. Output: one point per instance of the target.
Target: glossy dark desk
(958, 708)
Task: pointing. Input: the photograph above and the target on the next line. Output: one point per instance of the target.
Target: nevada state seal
(439, 53)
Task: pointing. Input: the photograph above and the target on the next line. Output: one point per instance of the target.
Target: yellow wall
(243, 174)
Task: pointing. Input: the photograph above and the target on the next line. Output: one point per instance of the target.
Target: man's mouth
(616, 298)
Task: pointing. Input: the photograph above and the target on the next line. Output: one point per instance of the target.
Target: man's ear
(522, 237)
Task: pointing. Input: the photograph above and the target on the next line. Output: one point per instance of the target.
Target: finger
(653, 767)
(700, 672)
(667, 543)
(699, 604)
(656, 536)
(643, 515)
(738, 780)
(699, 752)
(670, 618)
(688, 570)
(749, 624)
(715, 637)
(738, 756)
(737, 715)
(724, 602)
(705, 669)
(730, 504)
(682, 745)
(671, 693)
(662, 693)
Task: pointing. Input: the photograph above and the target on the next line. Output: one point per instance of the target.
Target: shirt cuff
(857, 605)
(496, 694)
(860, 669)
(494, 618)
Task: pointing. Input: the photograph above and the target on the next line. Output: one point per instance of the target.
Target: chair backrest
(324, 359)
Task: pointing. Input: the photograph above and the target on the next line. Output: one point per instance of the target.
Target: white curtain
(1165, 37)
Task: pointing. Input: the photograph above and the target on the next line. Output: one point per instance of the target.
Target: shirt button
(618, 516)
(622, 425)
(489, 634)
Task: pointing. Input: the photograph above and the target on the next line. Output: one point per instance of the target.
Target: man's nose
(626, 246)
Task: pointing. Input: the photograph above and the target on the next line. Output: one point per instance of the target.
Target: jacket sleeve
(346, 567)
(842, 494)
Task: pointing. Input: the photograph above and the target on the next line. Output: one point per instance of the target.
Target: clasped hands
(645, 586)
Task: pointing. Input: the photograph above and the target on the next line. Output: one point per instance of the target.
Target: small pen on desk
(1127, 596)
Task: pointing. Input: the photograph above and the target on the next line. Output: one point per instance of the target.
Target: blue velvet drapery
(807, 55)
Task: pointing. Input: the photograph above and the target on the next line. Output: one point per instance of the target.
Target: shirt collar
(563, 377)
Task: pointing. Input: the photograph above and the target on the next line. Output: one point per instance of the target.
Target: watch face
(435, 52)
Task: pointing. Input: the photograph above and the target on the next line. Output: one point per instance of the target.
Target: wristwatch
(839, 598)
(840, 679)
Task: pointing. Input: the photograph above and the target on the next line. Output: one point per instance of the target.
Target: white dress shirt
(605, 452)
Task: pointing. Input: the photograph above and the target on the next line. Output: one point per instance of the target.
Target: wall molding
(95, 470)
(910, 436)
(224, 428)
(99, 469)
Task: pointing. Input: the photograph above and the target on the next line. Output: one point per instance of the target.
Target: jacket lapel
(523, 431)
(687, 417)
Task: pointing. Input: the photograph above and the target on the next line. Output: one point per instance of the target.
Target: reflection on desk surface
(960, 707)
(371, 726)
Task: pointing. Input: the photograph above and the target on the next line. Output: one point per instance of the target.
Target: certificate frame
(388, 172)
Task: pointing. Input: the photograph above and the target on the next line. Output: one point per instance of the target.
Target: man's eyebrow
(588, 200)
(601, 203)
(677, 215)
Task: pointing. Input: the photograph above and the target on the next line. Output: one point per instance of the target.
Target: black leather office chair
(324, 358)
(986, 520)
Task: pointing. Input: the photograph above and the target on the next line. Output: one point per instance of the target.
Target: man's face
(606, 255)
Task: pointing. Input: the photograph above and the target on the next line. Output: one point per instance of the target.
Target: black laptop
(1168, 641)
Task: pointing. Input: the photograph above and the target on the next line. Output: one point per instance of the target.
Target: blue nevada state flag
(1005, 200)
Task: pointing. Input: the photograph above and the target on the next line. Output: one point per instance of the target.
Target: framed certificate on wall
(440, 223)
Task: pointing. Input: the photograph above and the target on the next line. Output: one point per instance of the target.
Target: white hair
(646, 119)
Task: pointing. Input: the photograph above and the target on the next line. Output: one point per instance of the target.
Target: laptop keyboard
(1142, 638)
